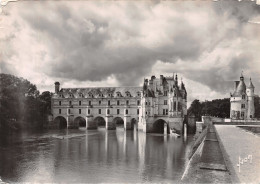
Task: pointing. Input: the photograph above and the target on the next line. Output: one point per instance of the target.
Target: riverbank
(229, 153)
(207, 165)
(241, 144)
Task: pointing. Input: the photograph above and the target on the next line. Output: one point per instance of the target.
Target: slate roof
(241, 89)
(96, 91)
(251, 84)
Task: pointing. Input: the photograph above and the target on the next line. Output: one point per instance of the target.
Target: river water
(93, 156)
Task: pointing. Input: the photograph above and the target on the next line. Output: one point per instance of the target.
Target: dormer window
(138, 94)
(81, 95)
(61, 95)
(90, 95)
(128, 94)
(243, 96)
(100, 95)
(71, 95)
(118, 94)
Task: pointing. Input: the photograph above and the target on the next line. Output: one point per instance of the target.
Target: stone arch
(134, 124)
(118, 121)
(80, 121)
(158, 126)
(60, 122)
(100, 121)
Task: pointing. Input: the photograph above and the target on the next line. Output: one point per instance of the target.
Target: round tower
(250, 95)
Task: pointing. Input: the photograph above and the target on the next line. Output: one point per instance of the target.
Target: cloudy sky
(118, 43)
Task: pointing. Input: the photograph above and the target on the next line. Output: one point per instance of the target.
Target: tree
(218, 108)
(195, 109)
(21, 105)
(257, 106)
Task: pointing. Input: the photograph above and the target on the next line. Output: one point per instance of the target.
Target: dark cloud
(89, 43)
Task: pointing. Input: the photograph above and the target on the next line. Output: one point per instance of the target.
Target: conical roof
(241, 88)
(251, 84)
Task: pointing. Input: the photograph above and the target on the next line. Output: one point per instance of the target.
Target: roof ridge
(106, 87)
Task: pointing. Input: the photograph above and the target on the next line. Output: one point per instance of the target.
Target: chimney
(57, 87)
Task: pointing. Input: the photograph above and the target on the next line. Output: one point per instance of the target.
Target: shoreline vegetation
(21, 104)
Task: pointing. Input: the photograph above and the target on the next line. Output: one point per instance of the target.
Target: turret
(176, 80)
(250, 95)
(57, 87)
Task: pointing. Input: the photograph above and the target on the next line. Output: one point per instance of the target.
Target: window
(242, 106)
(165, 111)
(70, 102)
(79, 102)
(165, 102)
(89, 102)
(108, 111)
(79, 111)
(59, 111)
(108, 103)
(127, 102)
(138, 94)
(118, 94)
(243, 96)
(146, 113)
(118, 102)
(59, 102)
(60, 95)
(145, 103)
(99, 102)
(70, 95)
(99, 111)
(126, 111)
(165, 93)
(68, 111)
(242, 114)
(88, 111)
(137, 111)
(138, 102)
(118, 111)
(174, 106)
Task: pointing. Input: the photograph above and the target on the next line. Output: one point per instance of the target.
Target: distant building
(163, 100)
(242, 100)
(158, 104)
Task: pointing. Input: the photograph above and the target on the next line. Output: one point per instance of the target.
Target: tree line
(218, 108)
(21, 104)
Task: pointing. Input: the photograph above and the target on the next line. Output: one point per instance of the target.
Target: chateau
(242, 100)
(159, 106)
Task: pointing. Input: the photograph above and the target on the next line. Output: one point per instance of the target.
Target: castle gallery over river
(161, 103)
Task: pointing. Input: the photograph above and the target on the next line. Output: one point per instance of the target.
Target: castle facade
(242, 100)
(159, 106)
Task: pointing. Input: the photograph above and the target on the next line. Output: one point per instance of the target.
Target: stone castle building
(158, 106)
(242, 100)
